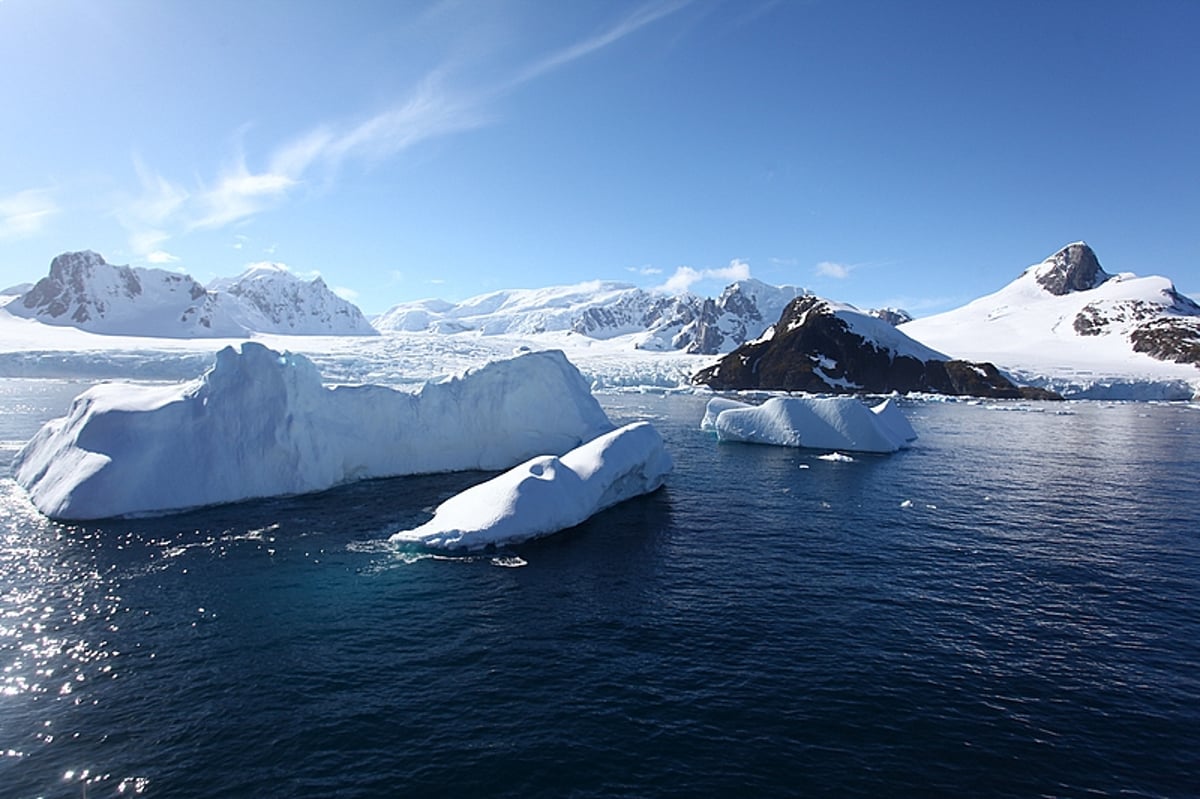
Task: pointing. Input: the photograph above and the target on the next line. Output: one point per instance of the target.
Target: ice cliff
(261, 423)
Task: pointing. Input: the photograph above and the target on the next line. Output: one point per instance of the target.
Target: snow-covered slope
(605, 310)
(83, 290)
(260, 423)
(820, 345)
(1068, 325)
(507, 312)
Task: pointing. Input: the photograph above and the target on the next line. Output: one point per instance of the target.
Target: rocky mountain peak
(1073, 268)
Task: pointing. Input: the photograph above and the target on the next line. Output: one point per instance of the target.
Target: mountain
(822, 346)
(1069, 324)
(604, 310)
(83, 290)
(273, 300)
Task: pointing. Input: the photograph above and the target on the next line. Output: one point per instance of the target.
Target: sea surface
(1010, 608)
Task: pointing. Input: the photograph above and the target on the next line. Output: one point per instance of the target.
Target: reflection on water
(1006, 609)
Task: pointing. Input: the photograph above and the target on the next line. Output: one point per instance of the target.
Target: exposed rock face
(819, 347)
(85, 291)
(1169, 339)
(1168, 330)
(1073, 268)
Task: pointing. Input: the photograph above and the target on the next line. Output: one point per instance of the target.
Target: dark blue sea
(1011, 608)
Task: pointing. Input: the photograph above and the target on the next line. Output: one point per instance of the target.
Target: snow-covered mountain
(1067, 324)
(604, 310)
(273, 300)
(824, 346)
(83, 290)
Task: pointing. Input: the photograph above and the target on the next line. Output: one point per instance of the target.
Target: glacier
(547, 494)
(831, 423)
(261, 423)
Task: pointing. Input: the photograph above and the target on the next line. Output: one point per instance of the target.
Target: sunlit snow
(547, 494)
(260, 423)
(832, 423)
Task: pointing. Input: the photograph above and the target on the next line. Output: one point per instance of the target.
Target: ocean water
(1010, 608)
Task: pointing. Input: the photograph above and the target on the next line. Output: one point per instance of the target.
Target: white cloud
(25, 213)
(347, 294)
(432, 109)
(240, 194)
(686, 276)
(161, 257)
(644, 270)
(149, 214)
(834, 270)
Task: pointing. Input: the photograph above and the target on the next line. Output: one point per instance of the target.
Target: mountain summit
(1073, 268)
(1067, 324)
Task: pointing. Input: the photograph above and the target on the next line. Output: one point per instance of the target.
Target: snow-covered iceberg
(546, 494)
(833, 423)
(260, 423)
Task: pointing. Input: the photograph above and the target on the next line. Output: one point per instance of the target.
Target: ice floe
(831, 423)
(547, 494)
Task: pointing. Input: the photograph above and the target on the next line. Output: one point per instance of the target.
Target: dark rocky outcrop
(814, 348)
(1073, 268)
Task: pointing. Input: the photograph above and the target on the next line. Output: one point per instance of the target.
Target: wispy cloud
(26, 213)
(239, 194)
(346, 293)
(685, 276)
(834, 270)
(435, 107)
(631, 23)
(149, 215)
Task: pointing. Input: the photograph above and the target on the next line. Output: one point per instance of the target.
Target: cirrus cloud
(26, 213)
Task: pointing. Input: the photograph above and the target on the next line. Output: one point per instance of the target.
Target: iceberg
(832, 423)
(260, 423)
(547, 494)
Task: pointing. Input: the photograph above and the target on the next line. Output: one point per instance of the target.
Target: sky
(913, 154)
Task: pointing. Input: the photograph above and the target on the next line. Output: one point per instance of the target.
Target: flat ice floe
(547, 494)
(831, 423)
(260, 423)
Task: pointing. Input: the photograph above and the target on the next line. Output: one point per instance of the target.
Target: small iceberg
(547, 494)
(830, 423)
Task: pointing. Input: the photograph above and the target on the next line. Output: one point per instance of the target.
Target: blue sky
(916, 153)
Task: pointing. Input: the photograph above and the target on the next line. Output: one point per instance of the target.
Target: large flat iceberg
(547, 494)
(831, 423)
(260, 423)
